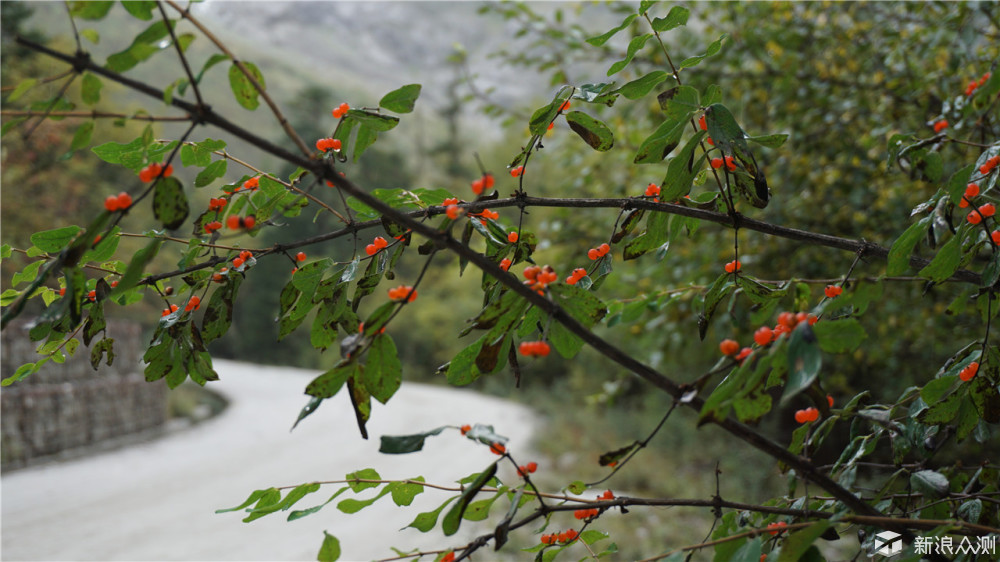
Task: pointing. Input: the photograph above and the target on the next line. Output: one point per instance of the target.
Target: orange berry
(829, 400)
(448, 557)
(971, 190)
(194, 303)
(488, 180)
(729, 347)
(995, 236)
(252, 183)
(963, 203)
(607, 495)
(512, 237)
(733, 266)
(940, 125)
(465, 429)
(717, 162)
(710, 141)
(604, 249)
(564, 106)
(249, 222)
(517, 171)
(974, 217)
(238, 262)
(371, 250)
(453, 211)
(477, 186)
(787, 319)
(776, 528)
(111, 203)
(812, 319)
(551, 125)
(233, 222)
(531, 272)
(62, 292)
(730, 164)
(505, 264)
(497, 448)
(652, 190)
(593, 253)
(403, 292)
(532, 466)
(571, 535)
(701, 123)
(832, 291)
(987, 210)
(763, 336)
(546, 539)
(301, 256)
(743, 354)
(969, 372)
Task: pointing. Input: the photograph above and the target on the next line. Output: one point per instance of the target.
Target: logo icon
(887, 543)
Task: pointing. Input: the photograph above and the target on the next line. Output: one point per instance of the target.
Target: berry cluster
(728, 161)
(217, 204)
(563, 537)
(452, 210)
(326, 144)
(833, 291)
(974, 85)
(578, 273)
(538, 278)
(775, 528)
(194, 303)
(403, 293)
(808, 415)
(969, 372)
(92, 295)
(529, 468)
(235, 222)
(153, 171)
(515, 172)
(251, 184)
(377, 244)
(534, 348)
(242, 259)
(653, 190)
(220, 276)
(598, 252)
(168, 311)
(486, 214)
(586, 513)
(787, 321)
(485, 182)
(118, 202)
(733, 266)
(340, 110)
(498, 448)
(988, 166)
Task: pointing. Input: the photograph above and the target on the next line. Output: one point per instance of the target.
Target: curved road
(156, 501)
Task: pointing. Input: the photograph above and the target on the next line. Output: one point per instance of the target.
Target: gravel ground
(157, 500)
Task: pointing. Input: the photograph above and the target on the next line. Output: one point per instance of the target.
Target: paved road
(156, 501)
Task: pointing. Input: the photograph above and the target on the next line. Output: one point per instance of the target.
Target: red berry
(971, 190)
(238, 262)
(832, 291)
(512, 237)
(710, 141)
(453, 211)
(551, 125)
(465, 429)
(763, 336)
(988, 210)
(701, 123)
(995, 236)
(940, 125)
(743, 354)
(301, 256)
(717, 162)
(532, 466)
(124, 201)
(607, 495)
(249, 222)
(505, 264)
(829, 400)
(111, 203)
(252, 183)
(969, 372)
(604, 249)
(233, 222)
(593, 253)
(730, 164)
(652, 190)
(776, 528)
(371, 250)
(517, 171)
(194, 303)
(564, 106)
(729, 347)
(733, 266)
(62, 292)
(477, 186)
(488, 180)
(497, 448)
(974, 217)
(448, 557)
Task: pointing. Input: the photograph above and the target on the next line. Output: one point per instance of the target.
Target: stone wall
(69, 409)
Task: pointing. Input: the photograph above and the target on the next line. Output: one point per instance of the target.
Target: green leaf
(254, 496)
(633, 47)
(664, 139)
(404, 492)
(676, 17)
(82, 136)
(462, 368)
(720, 289)
(770, 141)
(682, 170)
(641, 86)
(945, 262)
(243, 90)
(90, 89)
(22, 87)
(971, 510)
(657, 233)
(930, 483)
(212, 172)
(145, 45)
(749, 552)
(592, 131)
(329, 383)
(544, 115)
(113, 152)
(383, 371)
(402, 444)
(329, 551)
(839, 336)
(899, 253)
(804, 361)
(401, 100)
(170, 205)
(424, 522)
(91, 35)
(452, 519)
(218, 316)
(599, 40)
(90, 10)
(135, 268)
(712, 50)
(52, 241)
(142, 9)
(363, 474)
(376, 121)
(795, 545)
